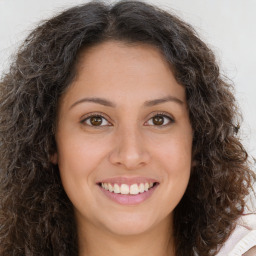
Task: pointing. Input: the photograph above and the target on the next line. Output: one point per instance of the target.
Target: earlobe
(54, 158)
(194, 163)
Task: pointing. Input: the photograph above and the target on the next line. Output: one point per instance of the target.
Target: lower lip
(129, 199)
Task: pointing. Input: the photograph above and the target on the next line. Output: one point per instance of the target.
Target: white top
(242, 241)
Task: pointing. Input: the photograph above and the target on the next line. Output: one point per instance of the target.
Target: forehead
(113, 68)
(122, 55)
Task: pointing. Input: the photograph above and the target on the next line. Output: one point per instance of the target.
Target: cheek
(79, 157)
(176, 166)
(174, 157)
(79, 160)
(175, 150)
(76, 144)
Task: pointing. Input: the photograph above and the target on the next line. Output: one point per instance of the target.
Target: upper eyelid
(83, 118)
(105, 116)
(172, 120)
(161, 113)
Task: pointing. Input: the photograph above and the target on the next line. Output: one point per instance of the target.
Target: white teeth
(134, 189)
(116, 189)
(141, 187)
(124, 189)
(110, 188)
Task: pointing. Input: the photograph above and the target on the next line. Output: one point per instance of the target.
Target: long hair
(36, 216)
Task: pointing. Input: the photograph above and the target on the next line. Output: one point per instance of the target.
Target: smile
(126, 189)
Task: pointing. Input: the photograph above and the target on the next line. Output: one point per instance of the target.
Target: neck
(157, 241)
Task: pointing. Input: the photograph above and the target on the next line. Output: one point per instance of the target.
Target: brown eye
(158, 120)
(95, 120)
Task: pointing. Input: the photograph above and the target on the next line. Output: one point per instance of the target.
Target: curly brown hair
(36, 216)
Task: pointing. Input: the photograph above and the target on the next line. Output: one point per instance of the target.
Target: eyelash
(164, 115)
(100, 115)
(83, 121)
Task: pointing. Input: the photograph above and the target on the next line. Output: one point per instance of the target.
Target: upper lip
(128, 180)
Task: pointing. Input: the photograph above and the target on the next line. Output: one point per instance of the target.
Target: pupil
(96, 121)
(158, 120)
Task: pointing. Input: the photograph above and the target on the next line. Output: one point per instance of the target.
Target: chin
(129, 225)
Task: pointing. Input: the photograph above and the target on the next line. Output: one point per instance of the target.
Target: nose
(129, 150)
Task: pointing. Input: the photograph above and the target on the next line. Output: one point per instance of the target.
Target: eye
(95, 120)
(160, 120)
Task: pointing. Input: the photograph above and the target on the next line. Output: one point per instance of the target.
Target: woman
(118, 135)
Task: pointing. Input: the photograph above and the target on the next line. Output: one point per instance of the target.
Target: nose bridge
(130, 141)
(129, 149)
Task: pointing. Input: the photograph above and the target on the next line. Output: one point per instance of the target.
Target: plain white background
(228, 26)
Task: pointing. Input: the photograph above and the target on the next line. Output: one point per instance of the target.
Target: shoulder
(242, 241)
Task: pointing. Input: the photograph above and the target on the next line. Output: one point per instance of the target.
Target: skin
(128, 143)
(251, 252)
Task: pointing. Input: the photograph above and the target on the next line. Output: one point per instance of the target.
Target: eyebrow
(151, 103)
(148, 103)
(100, 101)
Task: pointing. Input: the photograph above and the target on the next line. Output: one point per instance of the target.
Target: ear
(54, 158)
(194, 163)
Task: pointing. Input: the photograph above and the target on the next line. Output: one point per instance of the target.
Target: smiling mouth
(125, 189)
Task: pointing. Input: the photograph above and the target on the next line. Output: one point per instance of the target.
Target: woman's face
(123, 125)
